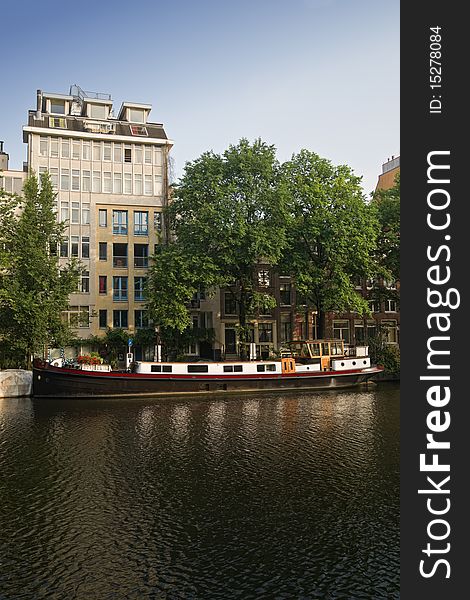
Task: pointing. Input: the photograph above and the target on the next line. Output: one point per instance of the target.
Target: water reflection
(254, 497)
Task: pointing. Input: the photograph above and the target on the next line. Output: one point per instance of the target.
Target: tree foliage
(34, 287)
(387, 204)
(332, 234)
(228, 214)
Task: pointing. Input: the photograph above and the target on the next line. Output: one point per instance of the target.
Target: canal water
(268, 496)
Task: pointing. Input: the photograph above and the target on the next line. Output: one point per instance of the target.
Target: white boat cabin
(304, 356)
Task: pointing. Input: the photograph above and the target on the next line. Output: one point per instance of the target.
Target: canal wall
(15, 383)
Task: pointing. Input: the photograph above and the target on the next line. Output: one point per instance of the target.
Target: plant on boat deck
(90, 359)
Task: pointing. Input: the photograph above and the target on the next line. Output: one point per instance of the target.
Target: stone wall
(15, 383)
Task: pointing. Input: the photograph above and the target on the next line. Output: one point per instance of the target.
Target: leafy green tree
(387, 205)
(34, 286)
(227, 216)
(331, 236)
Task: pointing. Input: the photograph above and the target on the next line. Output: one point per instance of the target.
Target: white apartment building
(111, 177)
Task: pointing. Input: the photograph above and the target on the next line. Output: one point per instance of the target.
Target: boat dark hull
(70, 383)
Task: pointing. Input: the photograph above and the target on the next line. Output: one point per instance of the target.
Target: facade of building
(10, 180)
(111, 177)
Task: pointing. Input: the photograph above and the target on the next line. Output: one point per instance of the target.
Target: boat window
(228, 368)
(336, 349)
(156, 368)
(198, 368)
(238, 368)
(315, 349)
(325, 350)
(270, 367)
(260, 368)
(167, 368)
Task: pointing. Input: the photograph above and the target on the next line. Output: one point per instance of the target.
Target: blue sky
(316, 74)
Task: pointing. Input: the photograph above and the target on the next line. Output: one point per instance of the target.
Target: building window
(85, 282)
(57, 123)
(103, 284)
(97, 111)
(148, 185)
(85, 247)
(54, 148)
(65, 179)
(77, 316)
(43, 146)
(157, 221)
(341, 330)
(64, 248)
(85, 214)
(128, 183)
(54, 173)
(136, 115)
(120, 222)
(141, 222)
(285, 293)
(140, 319)
(359, 333)
(127, 154)
(107, 183)
(74, 245)
(286, 328)
(117, 183)
(390, 331)
(263, 278)
(86, 181)
(120, 318)
(138, 155)
(57, 107)
(120, 256)
(390, 306)
(103, 316)
(265, 332)
(65, 149)
(75, 213)
(374, 306)
(141, 253)
(107, 151)
(158, 185)
(138, 130)
(86, 151)
(75, 180)
(119, 289)
(76, 150)
(148, 155)
(96, 181)
(158, 159)
(96, 151)
(117, 153)
(103, 217)
(371, 329)
(139, 283)
(230, 304)
(138, 184)
(103, 250)
(64, 211)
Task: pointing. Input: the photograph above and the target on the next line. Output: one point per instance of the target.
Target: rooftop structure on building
(390, 168)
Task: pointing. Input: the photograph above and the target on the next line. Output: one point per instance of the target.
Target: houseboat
(307, 364)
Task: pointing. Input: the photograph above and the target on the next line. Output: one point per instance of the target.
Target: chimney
(38, 104)
(3, 158)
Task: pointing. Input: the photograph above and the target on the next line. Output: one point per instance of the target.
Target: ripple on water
(252, 497)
